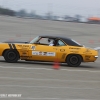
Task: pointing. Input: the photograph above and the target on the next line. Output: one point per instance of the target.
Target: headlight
(96, 56)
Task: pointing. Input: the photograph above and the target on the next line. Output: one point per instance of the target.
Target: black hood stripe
(14, 46)
(10, 46)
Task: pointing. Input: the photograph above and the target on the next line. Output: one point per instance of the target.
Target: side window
(43, 41)
(60, 43)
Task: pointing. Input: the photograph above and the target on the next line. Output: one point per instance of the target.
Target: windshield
(76, 42)
(35, 39)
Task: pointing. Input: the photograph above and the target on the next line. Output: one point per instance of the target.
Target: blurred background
(81, 11)
(23, 20)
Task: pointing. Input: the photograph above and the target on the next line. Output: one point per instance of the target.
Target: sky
(58, 7)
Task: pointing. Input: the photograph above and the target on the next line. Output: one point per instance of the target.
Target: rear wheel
(11, 56)
(74, 60)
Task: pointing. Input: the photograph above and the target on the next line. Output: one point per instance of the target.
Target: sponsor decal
(33, 47)
(62, 50)
(40, 53)
(87, 51)
(20, 45)
(43, 53)
(74, 51)
(87, 57)
(50, 53)
(35, 52)
(75, 48)
(24, 57)
(64, 55)
(26, 46)
(24, 53)
(23, 50)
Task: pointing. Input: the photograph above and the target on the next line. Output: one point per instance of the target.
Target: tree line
(32, 14)
(5, 11)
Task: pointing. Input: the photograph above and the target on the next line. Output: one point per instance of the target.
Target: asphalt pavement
(39, 80)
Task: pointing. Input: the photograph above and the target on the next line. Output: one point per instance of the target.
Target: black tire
(11, 56)
(74, 60)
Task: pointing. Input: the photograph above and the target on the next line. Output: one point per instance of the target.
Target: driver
(51, 42)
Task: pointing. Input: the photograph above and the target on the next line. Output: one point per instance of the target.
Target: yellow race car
(64, 50)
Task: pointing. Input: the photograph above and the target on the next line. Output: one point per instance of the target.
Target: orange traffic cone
(56, 65)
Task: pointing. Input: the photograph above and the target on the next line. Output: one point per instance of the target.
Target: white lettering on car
(43, 53)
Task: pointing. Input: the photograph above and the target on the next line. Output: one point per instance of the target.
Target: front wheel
(11, 56)
(74, 60)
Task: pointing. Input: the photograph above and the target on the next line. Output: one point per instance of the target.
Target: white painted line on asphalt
(42, 98)
(26, 68)
(20, 72)
(95, 71)
(51, 99)
(81, 70)
(49, 87)
(32, 98)
(41, 79)
(28, 98)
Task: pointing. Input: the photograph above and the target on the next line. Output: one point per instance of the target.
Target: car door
(43, 52)
(49, 53)
(62, 50)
